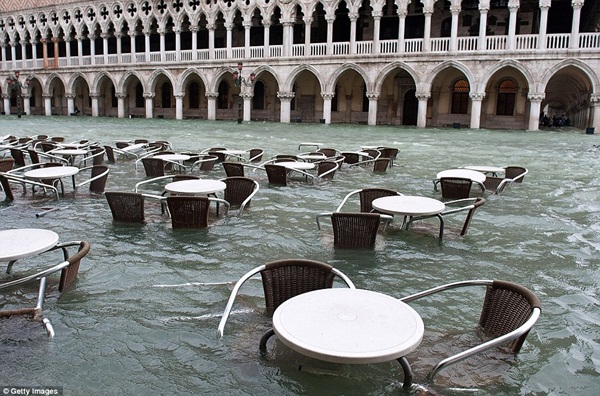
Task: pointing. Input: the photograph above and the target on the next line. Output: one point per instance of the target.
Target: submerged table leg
(408, 374)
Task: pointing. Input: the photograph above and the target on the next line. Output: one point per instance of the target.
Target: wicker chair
(255, 155)
(110, 154)
(126, 206)
(381, 165)
(515, 173)
(326, 169)
(389, 152)
(19, 157)
(8, 193)
(496, 185)
(233, 168)
(276, 174)
(351, 157)
(68, 273)
(153, 166)
(239, 191)
(366, 197)
(97, 180)
(328, 152)
(354, 230)
(6, 164)
(205, 162)
(455, 187)
(509, 312)
(282, 280)
(191, 211)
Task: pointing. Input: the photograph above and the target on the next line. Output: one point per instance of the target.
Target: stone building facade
(429, 63)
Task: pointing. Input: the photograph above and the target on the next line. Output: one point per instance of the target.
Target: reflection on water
(143, 314)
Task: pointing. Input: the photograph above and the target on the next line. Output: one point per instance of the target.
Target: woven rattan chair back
(285, 279)
(368, 195)
(233, 168)
(69, 273)
(97, 186)
(122, 145)
(8, 193)
(455, 187)
(154, 167)
(511, 172)
(507, 306)
(188, 211)
(33, 156)
(6, 164)
(238, 189)
(110, 154)
(494, 184)
(328, 152)
(381, 165)
(351, 158)
(47, 146)
(18, 156)
(354, 230)
(325, 166)
(219, 154)
(255, 155)
(98, 159)
(276, 174)
(126, 206)
(209, 163)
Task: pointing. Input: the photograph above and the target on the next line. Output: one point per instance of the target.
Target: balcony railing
(413, 47)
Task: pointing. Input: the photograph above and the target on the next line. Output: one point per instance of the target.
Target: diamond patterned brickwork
(15, 5)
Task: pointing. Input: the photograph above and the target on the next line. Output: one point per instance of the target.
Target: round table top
(476, 176)
(485, 168)
(69, 151)
(342, 325)
(173, 157)
(72, 145)
(408, 205)
(54, 172)
(232, 152)
(25, 242)
(296, 165)
(134, 147)
(196, 187)
(312, 157)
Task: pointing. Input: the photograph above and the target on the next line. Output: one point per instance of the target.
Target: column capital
(120, 95)
(229, 26)
(327, 95)
(179, 95)
(372, 95)
(545, 3)
(374, 14)
(577, 4)
(330, 18)
(247, 95)
(212, 95)
(49, 95)
(6, 96)
(477, 96)
(286, 95)
(484, 8)
(455, 10)
(70, 96)
(513, 5)
(594, 100)
(94, 95)
(247, 24)
(194, 29)
(423, 95)
(536, 97)
(148, 95)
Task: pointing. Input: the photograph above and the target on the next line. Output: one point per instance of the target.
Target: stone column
(95, 106)
(3, 46)
(177, 30)
(376, 31)
(70, 103)
(476, 100)
(327, 96)
(13, 52)
(6, 99)
(26, 103)
(163, 56)
(79, 49)
(266, 42)
(211, 105)
(68, 49)
(422, 97)
(194, 30)
(373, 99)
(484, 8)
(34, 52)
(118, 36)
(47, 104)
(574, 40)
(229, 27)
(330, 19)
(247, 25)
(353, 16)
(513, 7)
(105, 47)
(149, 104)
(288, 37)
(285, 98)
(92, 39)
(132, 45)
(307, 24)
(455, 11)
(247, 97)
(120, 105)
(45, 52)
(147, 45)
(428, 12)
(179, 106)
(544, 8)
(595, 113)
(211, 40)
(534, 110)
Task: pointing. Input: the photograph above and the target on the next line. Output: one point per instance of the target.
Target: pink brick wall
(14, 5)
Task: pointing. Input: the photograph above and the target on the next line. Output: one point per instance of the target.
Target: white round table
(309, 144)
(196, 187)
(350, 326)
(312, 157)
(296, 165)
(409, 205)
(485, 169)
(475, 176)
(25, 242)
(173, 157)
(54, 172)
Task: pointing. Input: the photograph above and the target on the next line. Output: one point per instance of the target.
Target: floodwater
(143, 314)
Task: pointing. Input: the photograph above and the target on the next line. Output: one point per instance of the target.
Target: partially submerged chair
(153, 166)
(126, 207)
(354, 230)
(455, 187)
(326, 169)
(239, 191)
(328, 152)
(496, 185)
(233, 168)
(191, 211)
(366, 197)
(276, 174)
(282, 280)
(205, 162)
(97, 180)
(68, 272)
(389, 152)
(255, 155)
(509, 312)
(515, 173)
(469, 205)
